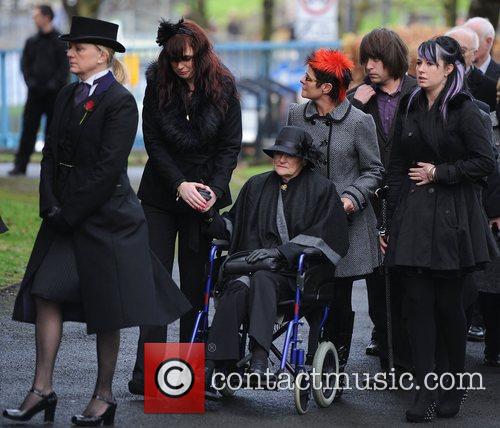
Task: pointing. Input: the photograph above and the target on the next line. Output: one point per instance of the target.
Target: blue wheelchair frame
(297, 354)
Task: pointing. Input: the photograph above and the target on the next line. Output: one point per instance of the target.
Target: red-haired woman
(192, 133)
(350, 158)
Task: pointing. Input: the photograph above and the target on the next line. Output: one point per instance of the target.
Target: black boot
(210, 392)
(450, 402)
(423, 408)
(258, 363)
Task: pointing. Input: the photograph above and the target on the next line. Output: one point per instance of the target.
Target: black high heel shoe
(107, 418)
(47, 403)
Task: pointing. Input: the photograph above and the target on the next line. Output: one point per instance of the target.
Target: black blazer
(493, 70)
(100, 160)
(384, 141)
(202, 148)
(371, 107)
(482, 88)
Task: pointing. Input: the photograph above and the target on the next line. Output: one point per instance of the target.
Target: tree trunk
(485, 8)
(361, 8)
(450, 12)
(199, 13)
(88, 8)
(267, 19)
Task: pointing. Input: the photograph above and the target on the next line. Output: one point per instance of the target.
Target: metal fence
(281, 62)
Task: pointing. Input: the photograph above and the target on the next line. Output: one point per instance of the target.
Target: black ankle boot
(450, 402)
(258, 363)
(210, 392)
(47, 403)
(423, 408)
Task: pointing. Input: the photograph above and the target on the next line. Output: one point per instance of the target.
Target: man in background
(481, 86)
(483, 60)
(45, 69)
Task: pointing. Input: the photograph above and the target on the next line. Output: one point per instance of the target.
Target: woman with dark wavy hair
(192, 133)
(439, 231)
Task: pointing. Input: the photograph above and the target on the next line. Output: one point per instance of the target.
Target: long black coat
(203, 148)
(493, 70)
(122, 284)
(440, 226)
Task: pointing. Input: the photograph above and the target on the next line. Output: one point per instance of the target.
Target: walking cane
(381, 193)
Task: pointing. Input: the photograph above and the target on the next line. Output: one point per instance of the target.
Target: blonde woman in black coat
(91, 261)
(439, 231)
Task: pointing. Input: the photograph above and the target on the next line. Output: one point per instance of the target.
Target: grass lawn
(136, 158)
(19, 210)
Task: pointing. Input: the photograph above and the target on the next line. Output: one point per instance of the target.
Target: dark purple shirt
(387, 106)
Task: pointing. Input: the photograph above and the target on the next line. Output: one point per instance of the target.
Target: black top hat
(294, 141)
(89, 30)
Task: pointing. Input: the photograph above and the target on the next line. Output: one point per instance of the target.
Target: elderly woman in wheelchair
(279, 219)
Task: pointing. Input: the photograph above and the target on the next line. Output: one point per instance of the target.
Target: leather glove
(56, 220)
(263, 253)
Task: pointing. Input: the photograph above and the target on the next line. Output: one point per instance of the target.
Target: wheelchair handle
(312, 252)
(221, 244)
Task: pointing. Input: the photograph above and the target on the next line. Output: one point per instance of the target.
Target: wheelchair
(314, 292)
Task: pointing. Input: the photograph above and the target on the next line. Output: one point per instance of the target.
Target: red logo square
(174, 378)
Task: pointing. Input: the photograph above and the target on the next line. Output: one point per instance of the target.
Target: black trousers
(256, 303)
(193, 250)
(375, 286)
(490, 307)
(340, 322)
(37, 104)
(435, 306)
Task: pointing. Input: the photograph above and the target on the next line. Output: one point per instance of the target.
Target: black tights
(48, 333)
(434, 306)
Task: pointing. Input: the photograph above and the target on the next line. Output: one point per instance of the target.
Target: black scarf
(311, 205)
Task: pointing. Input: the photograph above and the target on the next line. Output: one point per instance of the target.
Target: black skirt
(57, 278)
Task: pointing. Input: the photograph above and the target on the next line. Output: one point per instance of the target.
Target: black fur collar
(205, 119)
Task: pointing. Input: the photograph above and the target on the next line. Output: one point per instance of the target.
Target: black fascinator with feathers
(168, 29)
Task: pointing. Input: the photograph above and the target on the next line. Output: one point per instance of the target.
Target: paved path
(75, 371)
(33, 171)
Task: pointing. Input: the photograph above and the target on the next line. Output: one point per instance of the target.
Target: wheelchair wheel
(326, 362)
(302, 392)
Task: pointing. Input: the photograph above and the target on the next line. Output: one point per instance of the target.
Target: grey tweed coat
(347, 138)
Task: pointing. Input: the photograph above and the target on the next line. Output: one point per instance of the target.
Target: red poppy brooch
(88, 106)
